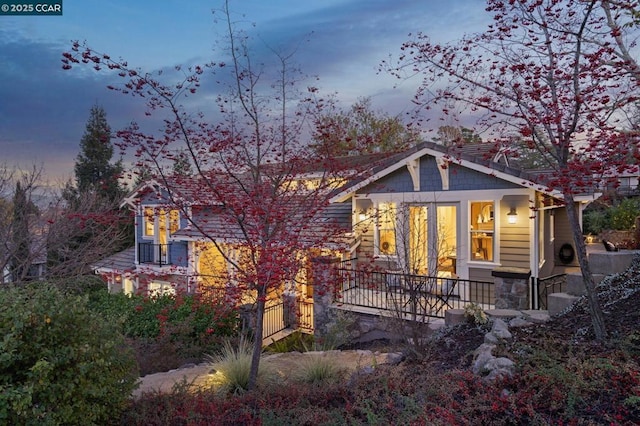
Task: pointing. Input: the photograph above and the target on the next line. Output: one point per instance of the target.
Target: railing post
(324, 286)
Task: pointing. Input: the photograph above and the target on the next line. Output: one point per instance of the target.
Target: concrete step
(609, 262)
(558, 302)
(575, 283)
(454, 316)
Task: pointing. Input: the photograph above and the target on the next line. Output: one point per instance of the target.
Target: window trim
(488, 233)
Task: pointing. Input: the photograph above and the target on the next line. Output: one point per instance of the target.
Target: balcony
(154, 254)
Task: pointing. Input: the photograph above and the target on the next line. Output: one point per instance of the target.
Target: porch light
(512, 216)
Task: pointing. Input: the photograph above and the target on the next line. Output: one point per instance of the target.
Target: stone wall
(512, 288)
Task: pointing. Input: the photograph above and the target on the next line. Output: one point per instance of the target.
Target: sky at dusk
(44, 109)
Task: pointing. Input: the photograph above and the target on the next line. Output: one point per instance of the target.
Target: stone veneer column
(324, 281)
(511, 287)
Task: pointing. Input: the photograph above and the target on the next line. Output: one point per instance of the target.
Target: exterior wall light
(512, 216)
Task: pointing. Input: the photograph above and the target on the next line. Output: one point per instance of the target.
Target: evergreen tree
(93, 168)
(181, 164)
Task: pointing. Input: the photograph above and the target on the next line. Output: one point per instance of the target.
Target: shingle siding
(462, 179)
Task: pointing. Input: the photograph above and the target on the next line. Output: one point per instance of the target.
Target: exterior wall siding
(398, 181)
(563, 235)
(430, 179)
(461, 179)
(515, 239)
(179, 254)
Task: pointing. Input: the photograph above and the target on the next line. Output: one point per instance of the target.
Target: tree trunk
(257, 343)
(597, 317)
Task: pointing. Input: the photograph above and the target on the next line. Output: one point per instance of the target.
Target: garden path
(285, 364)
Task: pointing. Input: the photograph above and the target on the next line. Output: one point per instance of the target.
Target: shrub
(623, 215)
(60, 363)
(170, 330)
(475, 315)
(317, 370)
(619, 217)
(233, 365)
(595, 221)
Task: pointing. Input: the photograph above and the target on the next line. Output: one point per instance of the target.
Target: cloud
(44, 109)
(48, 107)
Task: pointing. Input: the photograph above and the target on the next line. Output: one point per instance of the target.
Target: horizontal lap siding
(514, 248)
(481, 294)
(515, 240)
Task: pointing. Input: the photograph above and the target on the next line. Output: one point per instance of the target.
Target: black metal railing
(154, 254)
(411, 296)
(541, 288)
(305, 315)
(273, 320)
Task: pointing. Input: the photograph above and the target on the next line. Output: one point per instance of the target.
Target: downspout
(535, 269)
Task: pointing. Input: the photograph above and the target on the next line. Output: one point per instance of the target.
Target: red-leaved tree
(555, 73)
(253, 189)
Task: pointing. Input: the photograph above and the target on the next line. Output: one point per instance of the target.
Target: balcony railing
(410, 296)
(154, 254)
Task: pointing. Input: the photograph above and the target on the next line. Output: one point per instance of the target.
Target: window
(386, 229)
(174, 221)
(148, 222)
(161, 288)
(482, 229)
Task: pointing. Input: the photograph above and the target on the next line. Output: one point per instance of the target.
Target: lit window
(482, 230)
(148, 222)
(174, 221)
(160, 288)
(387, 229)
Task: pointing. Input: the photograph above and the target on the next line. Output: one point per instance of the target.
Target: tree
(21, 254)
(22, 244)
(556, 74)
(454, 136)
(253, 169)
(91, 225)
(360, 130)
(181, 164)
(93, 168)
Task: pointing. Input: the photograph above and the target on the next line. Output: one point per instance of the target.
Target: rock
(519, 322)
(394, 358)
(491, 339)
(483, 355)
(498, 368)
(501, 330)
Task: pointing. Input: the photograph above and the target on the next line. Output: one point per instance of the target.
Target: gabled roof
(479, 157)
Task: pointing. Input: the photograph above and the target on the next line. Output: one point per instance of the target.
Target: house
(425, 212)
(429, 210)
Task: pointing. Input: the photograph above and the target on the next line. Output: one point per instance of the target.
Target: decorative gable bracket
(413, 166)
(443, 168)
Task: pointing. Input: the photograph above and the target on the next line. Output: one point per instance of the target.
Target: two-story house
(424, 211)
